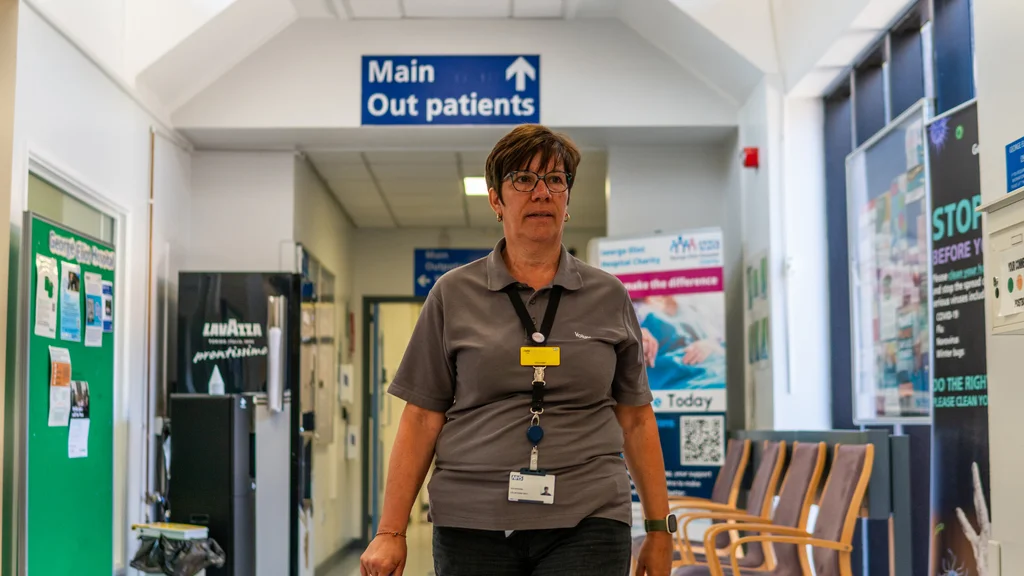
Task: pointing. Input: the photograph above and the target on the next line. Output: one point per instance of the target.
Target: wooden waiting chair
(759, 510)
(798, 492)
(832, 539)
(725, 492)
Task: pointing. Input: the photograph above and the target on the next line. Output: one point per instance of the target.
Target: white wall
(97, 25)
(784, 215)
(758, 127)
(74, 118)
(323, 228)
(807, 404)
(1000, 123)
(242, 213)
(671, 188)
(593, 73)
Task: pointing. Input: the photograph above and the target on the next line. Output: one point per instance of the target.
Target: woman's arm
(647, 467)
(410, 460)
(644, 458)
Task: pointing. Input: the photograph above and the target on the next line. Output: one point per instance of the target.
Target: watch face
(671, 523)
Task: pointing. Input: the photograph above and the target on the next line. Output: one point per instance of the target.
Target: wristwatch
(668, 524)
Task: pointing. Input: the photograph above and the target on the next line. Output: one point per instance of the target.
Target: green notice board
(63, 500)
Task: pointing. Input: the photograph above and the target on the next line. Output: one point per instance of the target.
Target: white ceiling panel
(422, 221)
(473, 162)
(434, 171)
(324, 158)
(410, 157)
(426, 202)
(344, 172)
(537, 8)
(372, 219)
(435, 188)
(314, 8)
(375, 8)
(458, 8)
(355, 191)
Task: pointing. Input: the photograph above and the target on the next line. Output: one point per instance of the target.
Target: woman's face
(536, 216)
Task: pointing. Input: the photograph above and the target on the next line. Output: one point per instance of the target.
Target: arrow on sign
(521, 69)
(423, 280)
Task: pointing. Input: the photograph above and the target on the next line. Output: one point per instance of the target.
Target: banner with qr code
(676, 282)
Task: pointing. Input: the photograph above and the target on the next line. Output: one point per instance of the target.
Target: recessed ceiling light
(475, 185)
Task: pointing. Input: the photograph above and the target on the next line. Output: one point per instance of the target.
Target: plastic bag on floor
(177, 557)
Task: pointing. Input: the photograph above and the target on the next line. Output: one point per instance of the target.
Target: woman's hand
(385, 556)
(700, 350)
(655, 557)
(650, 345)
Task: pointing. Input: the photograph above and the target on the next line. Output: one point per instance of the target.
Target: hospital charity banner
(677, 288)
(960, 518)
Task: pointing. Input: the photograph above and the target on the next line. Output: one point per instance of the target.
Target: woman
(525, 376)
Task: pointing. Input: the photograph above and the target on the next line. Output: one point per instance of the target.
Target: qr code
(703, 440)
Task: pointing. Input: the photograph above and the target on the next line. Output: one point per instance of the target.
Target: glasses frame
(568, 180)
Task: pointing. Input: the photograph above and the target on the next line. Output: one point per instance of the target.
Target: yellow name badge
(540, 356)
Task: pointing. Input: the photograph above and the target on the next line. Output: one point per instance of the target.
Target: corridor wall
(71, 119)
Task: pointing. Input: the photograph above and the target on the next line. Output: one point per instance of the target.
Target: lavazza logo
(232, 329)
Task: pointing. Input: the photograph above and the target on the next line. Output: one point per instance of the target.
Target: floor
(420, 561)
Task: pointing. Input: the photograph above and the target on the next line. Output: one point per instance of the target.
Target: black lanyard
(540, 338)
(524, 315)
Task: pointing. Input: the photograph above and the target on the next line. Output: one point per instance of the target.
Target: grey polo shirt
(463, 360)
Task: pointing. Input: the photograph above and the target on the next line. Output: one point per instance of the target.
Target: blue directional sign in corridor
(432, 263)
(426, 90)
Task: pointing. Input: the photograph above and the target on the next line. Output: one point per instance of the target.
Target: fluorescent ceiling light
(475, 185)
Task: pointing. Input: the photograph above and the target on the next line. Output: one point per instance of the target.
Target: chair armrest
(714, 562)
(703, 506)
(775, 538)
(683, 534)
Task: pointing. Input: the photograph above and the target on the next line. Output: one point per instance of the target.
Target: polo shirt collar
(498, 276)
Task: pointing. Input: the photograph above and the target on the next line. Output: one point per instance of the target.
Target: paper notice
(60, 386)
(108, 306)
(70, 302)
(346, 388)
(93, 310)
(46, 296)
(1011, 271)
(352, 446)
(78, 432)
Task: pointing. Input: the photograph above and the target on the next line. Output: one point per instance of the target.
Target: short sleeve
(630, 386)
(426, 375)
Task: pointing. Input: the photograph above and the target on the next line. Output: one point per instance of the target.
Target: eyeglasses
(526, 181)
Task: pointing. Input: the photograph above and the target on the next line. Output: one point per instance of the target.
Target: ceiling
(409, 189)
(392, 9)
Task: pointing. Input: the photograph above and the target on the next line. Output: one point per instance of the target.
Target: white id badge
(536, 488)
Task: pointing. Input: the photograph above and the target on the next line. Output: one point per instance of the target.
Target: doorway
(388, 324)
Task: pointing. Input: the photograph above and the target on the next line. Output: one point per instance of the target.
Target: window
(953, 43)
(51, 202)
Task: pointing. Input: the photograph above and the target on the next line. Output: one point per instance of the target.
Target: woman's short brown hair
(517, 148)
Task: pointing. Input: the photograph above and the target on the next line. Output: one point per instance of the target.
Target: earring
(499, 216)
(566, 219)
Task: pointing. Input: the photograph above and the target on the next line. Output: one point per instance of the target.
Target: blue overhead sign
(426, 90)
(431, 263)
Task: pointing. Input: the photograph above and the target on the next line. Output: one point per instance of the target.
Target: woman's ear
(494, 199)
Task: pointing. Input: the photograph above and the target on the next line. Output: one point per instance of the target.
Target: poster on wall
(758, 322)
(960, 467)
(889, 288)
(676, 283)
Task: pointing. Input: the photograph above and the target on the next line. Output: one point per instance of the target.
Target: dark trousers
(595, 547)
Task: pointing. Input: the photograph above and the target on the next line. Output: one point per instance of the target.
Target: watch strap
(656, 525)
